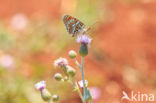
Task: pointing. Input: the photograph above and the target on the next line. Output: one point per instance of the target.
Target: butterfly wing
(67, 20)
(73, 25)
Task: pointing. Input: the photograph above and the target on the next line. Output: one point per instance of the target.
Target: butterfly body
(74, 26)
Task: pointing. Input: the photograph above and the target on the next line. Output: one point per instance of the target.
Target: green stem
(78, 90)
(74, 83)
(77, 63)
(83, 78)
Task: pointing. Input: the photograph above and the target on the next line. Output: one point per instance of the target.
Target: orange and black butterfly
(74, 26)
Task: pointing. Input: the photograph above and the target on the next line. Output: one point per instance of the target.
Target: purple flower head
(40, 85)
(81, 83)
(83, 39)
(60, 62)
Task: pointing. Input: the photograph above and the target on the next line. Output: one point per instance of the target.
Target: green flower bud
(55, 97)
(72, 54)
(83, 51)
(58, 76)
(71, 71)
(45, 94)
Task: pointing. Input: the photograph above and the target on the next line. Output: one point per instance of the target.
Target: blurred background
(122, 55)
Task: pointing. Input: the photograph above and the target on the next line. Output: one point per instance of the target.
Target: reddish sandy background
(127, 40)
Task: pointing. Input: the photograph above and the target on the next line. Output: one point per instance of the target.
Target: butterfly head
(65, 17)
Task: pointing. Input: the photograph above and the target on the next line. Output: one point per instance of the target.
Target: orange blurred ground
(127, 41)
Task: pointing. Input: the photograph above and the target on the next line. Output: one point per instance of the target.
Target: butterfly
(74, 26)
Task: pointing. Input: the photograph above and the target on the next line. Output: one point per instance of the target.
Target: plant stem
(83, 78)
(74, 83)
(77, 63)
(78, 90)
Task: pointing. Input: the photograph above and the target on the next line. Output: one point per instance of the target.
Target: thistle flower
(84, 39)
(60, 62)
(40, 85)
(81, 83)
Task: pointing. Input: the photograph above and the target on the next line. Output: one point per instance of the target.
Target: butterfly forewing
(73, 25)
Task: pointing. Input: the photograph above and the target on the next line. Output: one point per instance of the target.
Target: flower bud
(72, 54)
(55, 97)
(58, 76)
(71, 71)
(83, 51)
(61, 62)
(40, 85)
(45, 94)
